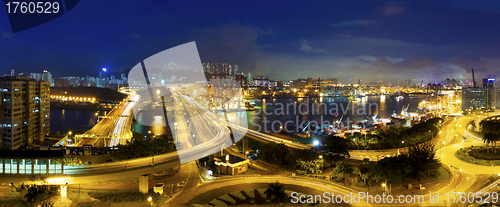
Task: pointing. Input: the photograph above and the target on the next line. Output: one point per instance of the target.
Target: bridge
(114, 128)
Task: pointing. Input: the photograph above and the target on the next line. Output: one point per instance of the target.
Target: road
(136, 167)
(185, 172)
(203, 193)
(114, 128)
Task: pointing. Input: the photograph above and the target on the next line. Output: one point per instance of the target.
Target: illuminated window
(28, 166)
(7, 166)
(22, 166)
(13, 166)
(43, 166)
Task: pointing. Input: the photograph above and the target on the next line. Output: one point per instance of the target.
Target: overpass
(113, 128)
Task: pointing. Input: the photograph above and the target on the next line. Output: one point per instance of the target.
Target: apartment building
(24, 111)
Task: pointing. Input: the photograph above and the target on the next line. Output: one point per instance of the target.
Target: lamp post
(176, 135)
(150, 199)
(158, 93)
(321, 157)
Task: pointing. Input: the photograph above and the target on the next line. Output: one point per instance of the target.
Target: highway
(136, 167)
(114, 128)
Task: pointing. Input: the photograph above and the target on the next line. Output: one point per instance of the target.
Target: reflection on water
(266, 116)
(73, 119)
(297, 111)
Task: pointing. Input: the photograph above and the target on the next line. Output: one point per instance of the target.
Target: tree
(37, 195)
(344, 168)
(491, 131)
(422, 160)
(490, 138)
(313, 166)
(335, 145)
(141, 146)
(276, 192)
(487, 139)
(274, 153)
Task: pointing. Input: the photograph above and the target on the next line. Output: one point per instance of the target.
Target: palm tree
(487, 139)
(491, 138)
(276, 192)
(491, 131)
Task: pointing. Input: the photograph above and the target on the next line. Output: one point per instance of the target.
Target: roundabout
(460, 142)
(479, 155)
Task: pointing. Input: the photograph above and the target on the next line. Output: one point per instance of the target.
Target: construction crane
(473, 79)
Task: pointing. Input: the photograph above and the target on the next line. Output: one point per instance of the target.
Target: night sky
(368, 40)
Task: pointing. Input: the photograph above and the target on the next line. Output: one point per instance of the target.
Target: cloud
(366, 58)
(392, 10)
(344, 35)
(361, 22)
(306, 47)
(135, 35)
(416, 63)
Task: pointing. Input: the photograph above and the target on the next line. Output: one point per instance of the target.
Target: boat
(397, 96)
(250, 105)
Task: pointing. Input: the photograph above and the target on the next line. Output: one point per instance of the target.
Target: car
(252, 157)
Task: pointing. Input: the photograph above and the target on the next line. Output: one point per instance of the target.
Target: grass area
(13, 194)
(478, 155)
(442, 175)
(100, 198)
(84, 196)
(8, 202)
(482, 181)
(477, 134)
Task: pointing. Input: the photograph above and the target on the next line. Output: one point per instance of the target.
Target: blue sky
(368, 40)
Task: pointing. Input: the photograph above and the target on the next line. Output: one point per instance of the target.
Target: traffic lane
(449, 158)
(207, 196)
(178, 177)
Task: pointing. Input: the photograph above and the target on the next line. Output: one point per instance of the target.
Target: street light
(150, 199)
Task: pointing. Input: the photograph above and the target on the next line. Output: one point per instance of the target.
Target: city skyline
(236, 103)
(382, 40)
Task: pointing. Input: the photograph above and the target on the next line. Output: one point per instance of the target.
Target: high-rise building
(47, 77)
(24, 111)
(489, 82)
(489, 85)
(36, 76)
(12, 73)
(250, 79)
(480, 98)
(235, 69)
(473, 99)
